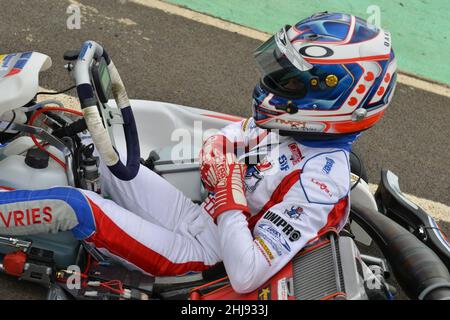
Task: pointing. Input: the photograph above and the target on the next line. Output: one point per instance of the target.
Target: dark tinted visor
(278, 74)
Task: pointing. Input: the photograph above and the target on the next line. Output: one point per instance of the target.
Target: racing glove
(216, 154)
(223, 176)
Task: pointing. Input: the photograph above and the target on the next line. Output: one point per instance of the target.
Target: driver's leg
(150, 247)
(192, 246)
(149, 196)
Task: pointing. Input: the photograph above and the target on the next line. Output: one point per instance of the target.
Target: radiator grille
(314, 273)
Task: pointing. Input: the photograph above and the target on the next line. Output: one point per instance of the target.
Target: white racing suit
(295, 194)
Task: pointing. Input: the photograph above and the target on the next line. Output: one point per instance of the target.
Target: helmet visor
(283, 70)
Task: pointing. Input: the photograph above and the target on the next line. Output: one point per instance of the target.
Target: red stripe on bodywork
(277, 196)
(13, 72)
(109, 236)
(7, 188)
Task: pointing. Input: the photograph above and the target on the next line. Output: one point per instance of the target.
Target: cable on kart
(55, 93)
(33, 137)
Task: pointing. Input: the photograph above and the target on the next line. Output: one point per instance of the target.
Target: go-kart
(44, 144)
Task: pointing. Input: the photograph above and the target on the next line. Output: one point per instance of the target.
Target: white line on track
(403, 78)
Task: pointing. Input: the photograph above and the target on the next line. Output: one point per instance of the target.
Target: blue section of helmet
(388, 91)
(332, 27)
(392, 56)
(364, 31)
(320, 97)
(336, 16)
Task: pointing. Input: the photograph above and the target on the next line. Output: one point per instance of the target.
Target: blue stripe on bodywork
(73, 197)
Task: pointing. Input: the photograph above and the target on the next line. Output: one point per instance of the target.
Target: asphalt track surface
(170, 58)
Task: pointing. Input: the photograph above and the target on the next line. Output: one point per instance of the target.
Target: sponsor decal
(316, 51)
(294, 212)
(387, 39)
(264, 247)
(269, 262)
(302, 126)
(287, 229)
(283, 289)
(328, 165)
(18, 65)
(269, 231)
(2, 58)
(264, 165)
(5, 59)
(255, 171)
(284, 166)
(322, 186)
(296, 153)
(264, 293)
(276, 246)
(253, 175)
(26, 217)
(84, 50)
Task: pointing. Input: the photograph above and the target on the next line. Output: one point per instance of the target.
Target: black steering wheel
(90, 53)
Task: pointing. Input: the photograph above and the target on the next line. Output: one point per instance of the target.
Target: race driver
(278, 181)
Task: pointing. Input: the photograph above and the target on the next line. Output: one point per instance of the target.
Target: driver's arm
(230, 143)
(244, 134)
(251, 258)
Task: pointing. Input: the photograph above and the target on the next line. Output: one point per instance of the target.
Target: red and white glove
(215, 156)
(222, 175)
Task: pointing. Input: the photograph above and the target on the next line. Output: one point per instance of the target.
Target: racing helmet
(328, 75)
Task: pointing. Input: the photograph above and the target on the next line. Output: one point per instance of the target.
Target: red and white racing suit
(294, 194)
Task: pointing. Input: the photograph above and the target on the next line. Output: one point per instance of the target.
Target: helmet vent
(312, 36)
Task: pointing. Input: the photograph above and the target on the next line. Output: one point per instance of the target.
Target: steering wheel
(91, 52)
